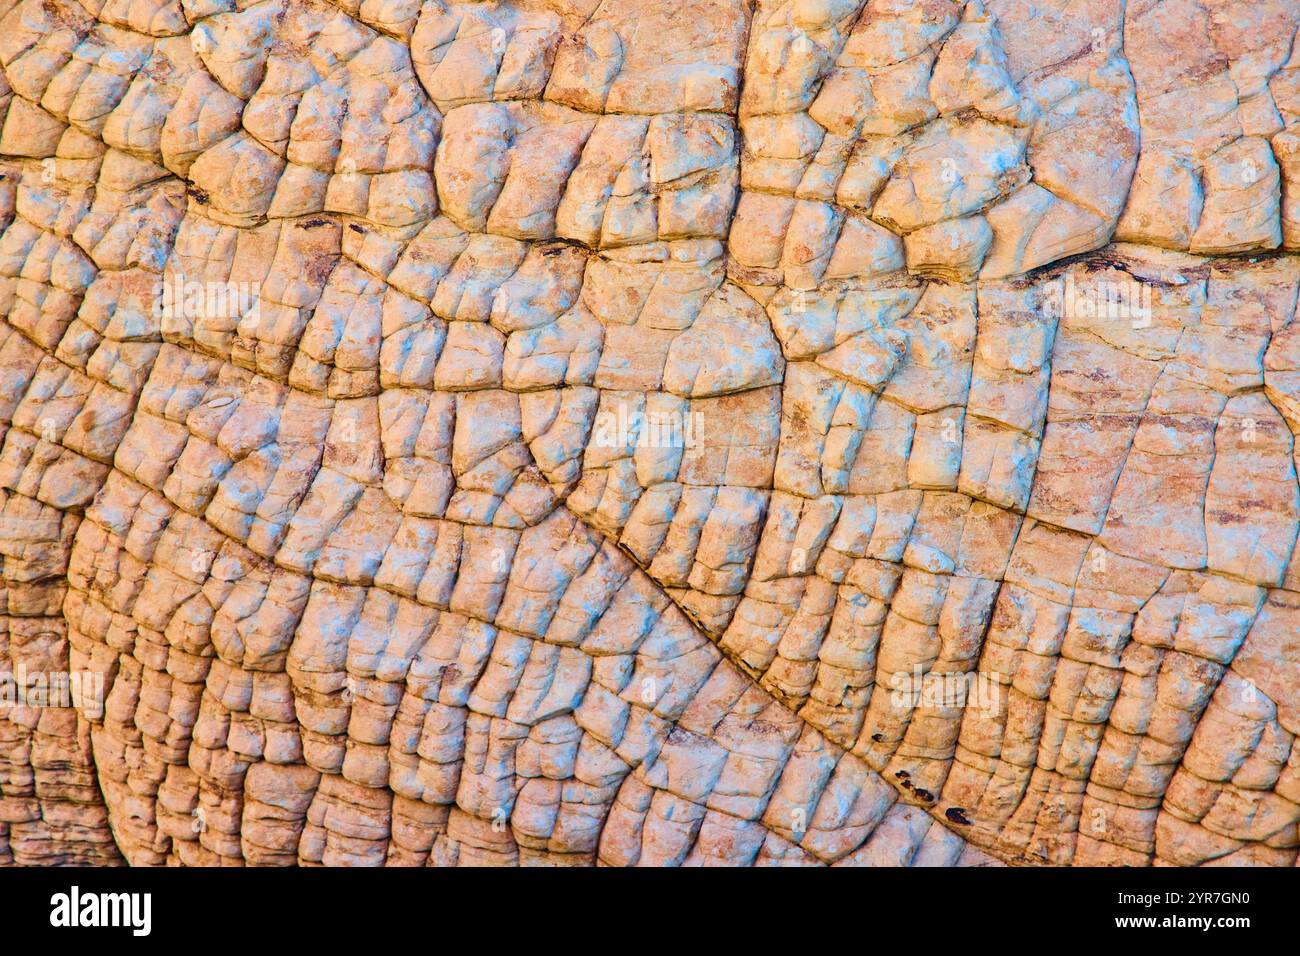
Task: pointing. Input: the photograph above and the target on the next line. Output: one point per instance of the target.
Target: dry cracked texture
(378, 552)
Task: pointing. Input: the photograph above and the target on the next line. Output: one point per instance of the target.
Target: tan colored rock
(633, 434)
(952, 251)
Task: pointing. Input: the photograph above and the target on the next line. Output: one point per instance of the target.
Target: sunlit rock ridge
(623, 433)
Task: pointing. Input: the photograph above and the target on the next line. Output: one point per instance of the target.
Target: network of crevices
(619, 432)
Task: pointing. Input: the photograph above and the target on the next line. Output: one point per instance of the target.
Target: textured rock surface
(607, 431)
